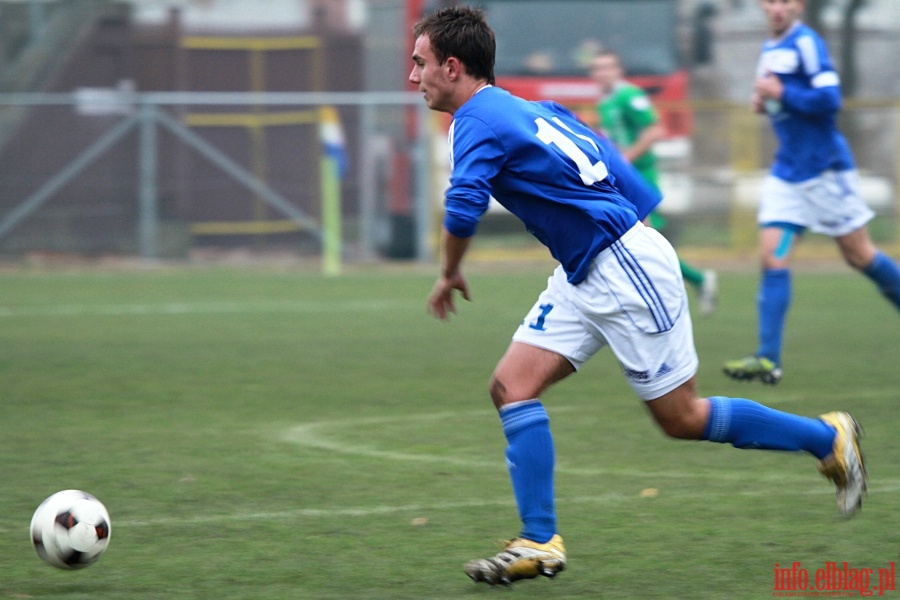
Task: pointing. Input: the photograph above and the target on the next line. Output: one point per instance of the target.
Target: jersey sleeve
(476, 156)
(822, 95)
(639, 110)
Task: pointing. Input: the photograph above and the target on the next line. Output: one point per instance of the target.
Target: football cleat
(753, 367)
(520, 559)
(846, 465)
(709, 293)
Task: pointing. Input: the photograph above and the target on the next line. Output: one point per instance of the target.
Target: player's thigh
(857, 248)
(525, 371)
(551, 342)
(776, 243)
(784, 214)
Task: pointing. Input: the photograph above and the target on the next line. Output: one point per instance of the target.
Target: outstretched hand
(440, 301)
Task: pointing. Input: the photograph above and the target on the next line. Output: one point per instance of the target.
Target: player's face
(781, 14)
(606, 71)
(431, 77)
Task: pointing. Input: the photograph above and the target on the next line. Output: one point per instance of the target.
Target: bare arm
(440, 301)
(648, 136)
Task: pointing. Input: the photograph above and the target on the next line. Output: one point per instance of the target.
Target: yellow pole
(331, 215)
(744, 142)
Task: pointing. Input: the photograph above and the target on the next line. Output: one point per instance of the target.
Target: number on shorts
(539, 322)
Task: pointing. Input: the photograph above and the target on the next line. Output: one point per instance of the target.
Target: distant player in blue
(813, 183)
(618, 285)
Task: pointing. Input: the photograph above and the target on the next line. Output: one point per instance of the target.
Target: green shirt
(624, 113)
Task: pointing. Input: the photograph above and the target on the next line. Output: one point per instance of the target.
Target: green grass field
(265, 433)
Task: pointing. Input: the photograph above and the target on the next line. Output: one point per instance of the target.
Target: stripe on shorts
(644, 286)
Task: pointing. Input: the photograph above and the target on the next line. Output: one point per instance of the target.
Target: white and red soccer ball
(70, 529)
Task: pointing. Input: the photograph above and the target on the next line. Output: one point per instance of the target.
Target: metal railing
(710, 180)
(147, 113)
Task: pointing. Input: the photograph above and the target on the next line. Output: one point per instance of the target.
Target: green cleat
(846, 465)
(754, 367)
(520, 559)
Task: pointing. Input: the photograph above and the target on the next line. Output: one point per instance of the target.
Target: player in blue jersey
(618, 285)
(813, 182)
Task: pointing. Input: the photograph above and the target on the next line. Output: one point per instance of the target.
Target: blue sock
(886, 275)
(772, 306)
(530, 459)
(748, 424)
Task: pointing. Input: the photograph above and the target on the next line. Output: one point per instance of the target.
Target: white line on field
(315, 435)
(419, 510)
(426, 509)
(195, 308)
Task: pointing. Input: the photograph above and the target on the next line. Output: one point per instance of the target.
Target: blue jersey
(569, 186)
(805, 119)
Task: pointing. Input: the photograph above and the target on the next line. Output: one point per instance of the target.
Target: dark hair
(461, 32)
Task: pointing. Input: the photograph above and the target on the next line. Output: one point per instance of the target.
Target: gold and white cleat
(520, 559)
(846, 465)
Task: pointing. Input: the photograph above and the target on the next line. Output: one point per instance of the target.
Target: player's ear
(454, 68)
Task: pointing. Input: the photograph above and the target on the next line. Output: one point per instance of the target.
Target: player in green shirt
(628, 118)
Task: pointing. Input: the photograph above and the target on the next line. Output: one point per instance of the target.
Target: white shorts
(828, 204)
(632, 300)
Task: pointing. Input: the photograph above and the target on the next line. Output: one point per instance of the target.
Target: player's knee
(682, 416)
(502, 394)
(681, 428)
(858, 260)
(769, 260)
(498, 392)
(857, 249)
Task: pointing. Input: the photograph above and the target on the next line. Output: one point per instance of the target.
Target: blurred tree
(702, 33)
(850, 75)
(813, 16)
(848, 37)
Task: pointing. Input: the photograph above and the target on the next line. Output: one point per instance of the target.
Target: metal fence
(159, 174)
(114, 171)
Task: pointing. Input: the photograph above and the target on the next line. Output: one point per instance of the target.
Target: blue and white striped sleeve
(822, 95)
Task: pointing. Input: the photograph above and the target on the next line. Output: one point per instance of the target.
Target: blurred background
(182, 129)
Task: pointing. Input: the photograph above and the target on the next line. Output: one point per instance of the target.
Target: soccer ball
(70, 529)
